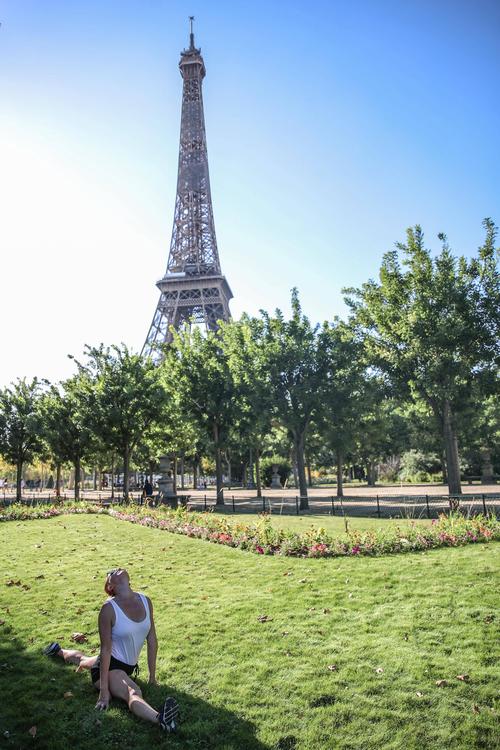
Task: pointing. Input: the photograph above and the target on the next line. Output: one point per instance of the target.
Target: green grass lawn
(391, 625)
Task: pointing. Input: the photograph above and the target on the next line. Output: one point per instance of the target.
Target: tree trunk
(340, 466)
(195, 473)
(229, 476)
(113, 478)
(218, 468)
(58, 481)
(78, 478)
(293, 458)
(308, 467)
(182, 471)
(301, 471)
(174, 472)
(251, 480)
(19, 476)
(443, 467)
(451, 448)
(126, 465)
(371, 474)
(257, 473)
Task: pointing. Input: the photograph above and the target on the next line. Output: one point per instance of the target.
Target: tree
(20, 425)
(66, 425)
(381, 432)
(244, 345)
(196, 368)
(296, 364)
(125, 398)
(480, 432)
(432, 325)
(344, 393)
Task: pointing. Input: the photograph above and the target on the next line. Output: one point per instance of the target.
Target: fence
(378, 506)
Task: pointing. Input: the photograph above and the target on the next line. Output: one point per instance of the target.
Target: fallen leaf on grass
(68, 694)
(441, 683)
(303, 580)
(2, 622)
(39, 578)
(463, 677)
(379, 670)
(332, 667)
(32, 731)
(405, 637)
(326, 611)
(12, 582)
(489, 619)
(419, 694)
(79, 638)
(264, 618)
(476, 709)
(285, 632)
(312, 609)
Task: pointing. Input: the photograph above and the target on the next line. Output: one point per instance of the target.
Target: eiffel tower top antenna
(191, 34)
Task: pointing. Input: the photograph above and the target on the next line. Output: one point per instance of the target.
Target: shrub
(264, 539)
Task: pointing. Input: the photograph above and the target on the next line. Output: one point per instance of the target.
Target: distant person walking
(125, 622)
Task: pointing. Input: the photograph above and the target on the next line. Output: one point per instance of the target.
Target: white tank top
(128, 636)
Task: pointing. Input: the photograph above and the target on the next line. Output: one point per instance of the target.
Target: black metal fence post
(378, 507)
(297, 504)
(484, 504)
(234, 510)
(427, 503)
(333, 506)
(263, 504)
(204, 502)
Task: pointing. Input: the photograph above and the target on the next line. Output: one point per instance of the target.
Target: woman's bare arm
(105, 625)
(152, 644)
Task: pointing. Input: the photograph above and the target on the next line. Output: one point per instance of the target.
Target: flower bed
(263, 539)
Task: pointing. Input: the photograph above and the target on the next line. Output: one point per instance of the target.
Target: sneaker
(169, 715)
(52, 649)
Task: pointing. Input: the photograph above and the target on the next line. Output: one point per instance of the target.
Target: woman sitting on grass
(125, 622)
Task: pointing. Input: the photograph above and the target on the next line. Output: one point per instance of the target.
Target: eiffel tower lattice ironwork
(193, 288)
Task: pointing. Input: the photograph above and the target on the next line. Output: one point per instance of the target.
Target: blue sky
(331, 128)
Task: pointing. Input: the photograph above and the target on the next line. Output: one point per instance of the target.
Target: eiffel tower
(193, 288)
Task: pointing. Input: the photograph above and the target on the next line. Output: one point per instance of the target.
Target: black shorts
(130, 669)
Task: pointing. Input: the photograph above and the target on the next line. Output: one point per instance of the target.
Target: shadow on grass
(37, 692)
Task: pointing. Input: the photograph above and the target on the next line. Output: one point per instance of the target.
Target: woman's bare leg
(72, 656)
(122, 686)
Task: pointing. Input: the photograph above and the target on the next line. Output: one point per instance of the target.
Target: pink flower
(356, 550)
(259, 549)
